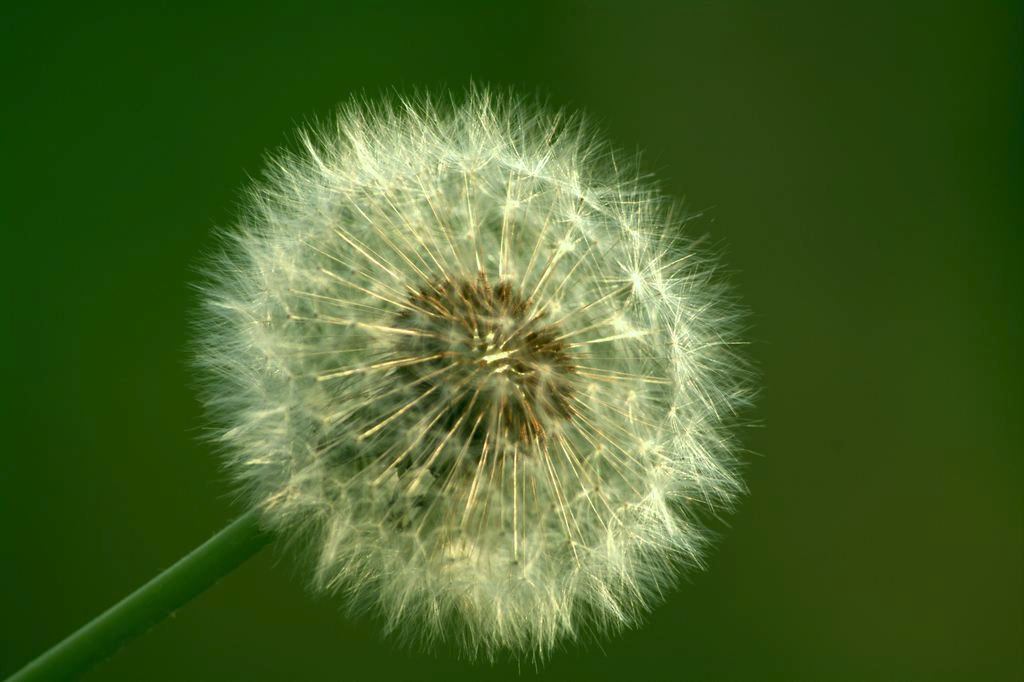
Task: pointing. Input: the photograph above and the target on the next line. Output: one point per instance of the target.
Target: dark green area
(140, 611)
(860, 167)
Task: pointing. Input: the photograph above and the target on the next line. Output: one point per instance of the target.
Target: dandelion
(467, 354)
(471, 357)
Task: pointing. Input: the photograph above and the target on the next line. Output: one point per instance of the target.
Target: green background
(860, 167)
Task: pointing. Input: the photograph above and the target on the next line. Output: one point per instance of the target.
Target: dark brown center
(501, 370)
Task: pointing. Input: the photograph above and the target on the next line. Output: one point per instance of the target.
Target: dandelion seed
(475, 362)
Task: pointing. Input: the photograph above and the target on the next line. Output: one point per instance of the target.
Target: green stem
(151, 603)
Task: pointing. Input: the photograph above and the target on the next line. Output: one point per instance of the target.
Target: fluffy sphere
(468, 355)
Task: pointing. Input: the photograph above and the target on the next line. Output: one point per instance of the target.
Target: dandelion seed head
(470, 356)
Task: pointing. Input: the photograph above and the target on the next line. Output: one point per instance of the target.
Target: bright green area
(860, 167)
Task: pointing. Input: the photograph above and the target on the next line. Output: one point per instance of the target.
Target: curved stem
(151, 603)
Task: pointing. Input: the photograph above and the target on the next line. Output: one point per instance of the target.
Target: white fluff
(470, 357)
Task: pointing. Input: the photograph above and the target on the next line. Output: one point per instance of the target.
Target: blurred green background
(860, 166)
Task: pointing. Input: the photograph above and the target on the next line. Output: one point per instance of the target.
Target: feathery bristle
(476, 362)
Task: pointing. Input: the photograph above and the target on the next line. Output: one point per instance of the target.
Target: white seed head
(472, 359)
